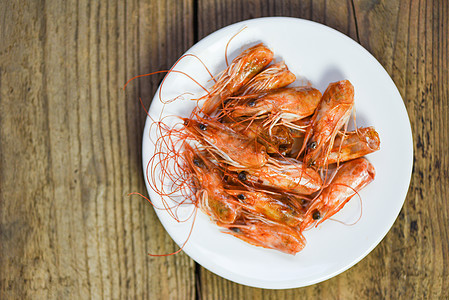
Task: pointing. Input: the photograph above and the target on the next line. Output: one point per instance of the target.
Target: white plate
(320, 55)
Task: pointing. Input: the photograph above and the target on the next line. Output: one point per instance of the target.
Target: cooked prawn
(268, 235)
(349, 180)
(284, 175)
(284, 209)
(240, 71)
(213, 199)
(331, 115)
(353, 145)
(288, 104)
(231, 146)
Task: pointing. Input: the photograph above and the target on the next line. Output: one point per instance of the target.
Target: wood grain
(70, 147)
(70, 150)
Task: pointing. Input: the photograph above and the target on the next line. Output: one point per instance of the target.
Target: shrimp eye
(202, 126)
(251, 103)
(312, 145)
(311, 163)
(235, 229)
(197, 162)
(316, 215)
(241, 196)
(283, 149)
(242, 176)
(186, 122)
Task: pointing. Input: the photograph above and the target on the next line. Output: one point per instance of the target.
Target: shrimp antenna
(174, 65)
(165, 71)
(182, 246)
(227, 44)
(341, 205)
(358, 219)
(171, 70)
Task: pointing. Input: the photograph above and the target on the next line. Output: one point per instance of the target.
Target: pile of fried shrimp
(265, 161)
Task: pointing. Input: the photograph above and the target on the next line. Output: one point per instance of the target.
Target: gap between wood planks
(355, 22)
(195, 40)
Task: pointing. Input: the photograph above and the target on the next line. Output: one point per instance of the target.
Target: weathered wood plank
(409, 38)
(213, 15)
(70, 143)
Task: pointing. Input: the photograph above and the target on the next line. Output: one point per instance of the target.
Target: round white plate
(321, 55)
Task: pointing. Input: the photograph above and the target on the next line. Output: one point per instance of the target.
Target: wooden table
(70, 147)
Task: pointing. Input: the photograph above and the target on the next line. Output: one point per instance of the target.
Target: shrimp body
(240, 71)
(289, 104)
(292, 176)
(357, 143)
(333, 113)
(269, 235)
(233, 147)
(279, 208)
(350, 178)
(214, 200)
(273, 77)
